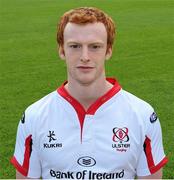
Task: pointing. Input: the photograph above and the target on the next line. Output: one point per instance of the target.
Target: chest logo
(120, 135)
(51, 136)
(86, 161)
(121, 139)
(52, 141)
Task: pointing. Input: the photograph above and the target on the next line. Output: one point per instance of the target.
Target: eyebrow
(75, 42)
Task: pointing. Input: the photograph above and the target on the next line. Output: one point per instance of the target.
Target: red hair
(84, 15)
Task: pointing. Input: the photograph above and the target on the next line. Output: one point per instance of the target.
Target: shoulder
(33, 112)
(141, 111)
(135, 101)
(44, 101)
(140, 107)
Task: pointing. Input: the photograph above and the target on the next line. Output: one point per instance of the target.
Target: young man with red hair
(89, 128)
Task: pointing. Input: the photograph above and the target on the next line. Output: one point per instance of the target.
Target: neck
(87, 94)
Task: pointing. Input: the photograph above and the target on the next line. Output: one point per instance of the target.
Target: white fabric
(98, 151)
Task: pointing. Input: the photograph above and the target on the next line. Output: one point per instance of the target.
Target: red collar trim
(93, 108)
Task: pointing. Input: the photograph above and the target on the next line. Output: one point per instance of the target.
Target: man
(90, 128)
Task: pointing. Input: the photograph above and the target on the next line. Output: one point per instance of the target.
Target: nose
(85, 55)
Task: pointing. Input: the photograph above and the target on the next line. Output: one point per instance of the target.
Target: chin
(86, 80)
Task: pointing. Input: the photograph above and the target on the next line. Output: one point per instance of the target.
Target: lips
(84, 67)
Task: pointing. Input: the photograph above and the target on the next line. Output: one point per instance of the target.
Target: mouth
(85, 68)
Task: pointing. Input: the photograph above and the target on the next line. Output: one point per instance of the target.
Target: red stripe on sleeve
(148, 151)
(25, 166)
(159, 165)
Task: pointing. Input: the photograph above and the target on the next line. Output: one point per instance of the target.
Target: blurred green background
(143, 60)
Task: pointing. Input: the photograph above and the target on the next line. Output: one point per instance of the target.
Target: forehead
(90, 32)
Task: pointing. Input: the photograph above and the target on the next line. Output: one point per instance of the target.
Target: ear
(108, 53)
(61, 53)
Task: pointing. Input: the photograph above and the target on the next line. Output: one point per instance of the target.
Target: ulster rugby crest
(121, 139)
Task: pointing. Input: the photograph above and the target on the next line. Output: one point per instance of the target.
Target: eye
(95, 47)
(75, 46)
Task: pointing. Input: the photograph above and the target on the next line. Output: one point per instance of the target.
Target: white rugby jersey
(119, 136)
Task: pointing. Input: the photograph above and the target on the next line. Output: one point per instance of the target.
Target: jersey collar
(93, 108)
(81, 112)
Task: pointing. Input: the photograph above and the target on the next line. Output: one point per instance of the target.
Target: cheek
(99, 58)
(72, 57)
(71, 61)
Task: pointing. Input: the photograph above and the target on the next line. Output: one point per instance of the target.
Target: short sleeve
(25, 158)
(152, 157)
